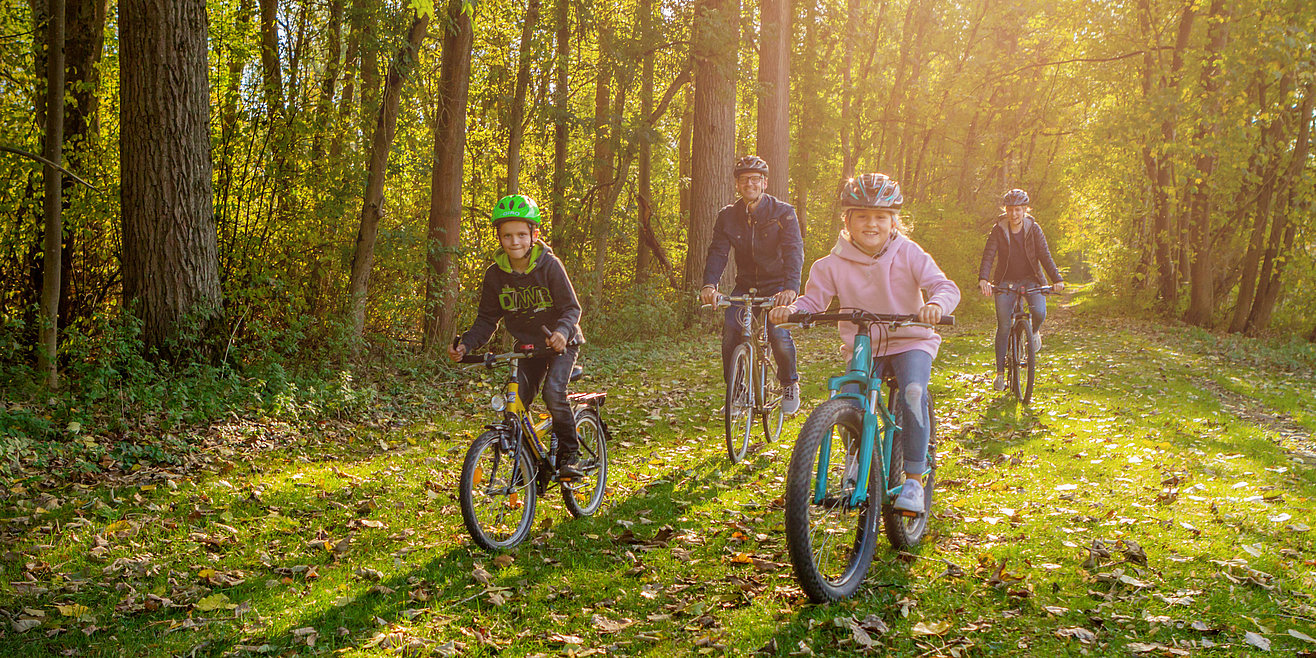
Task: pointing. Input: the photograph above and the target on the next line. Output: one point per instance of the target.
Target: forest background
(286, 203)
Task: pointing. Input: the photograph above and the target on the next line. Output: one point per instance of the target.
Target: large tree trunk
(604, 163)
(446, 184)
(363, 257)
(324, 109)
(54, 227)
(269, 57)
(774, 125)
(1201, 303)
(1162, 226)
(170, 267)
(643, 184)
(1265, 165)
(713, 145)
(515, 124)
(561, 127)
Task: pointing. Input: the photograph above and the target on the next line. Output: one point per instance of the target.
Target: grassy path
(1154, 500)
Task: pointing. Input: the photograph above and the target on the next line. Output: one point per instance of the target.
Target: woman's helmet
(516, 206)
(750, 164)
(871, 191)
(1015, 197)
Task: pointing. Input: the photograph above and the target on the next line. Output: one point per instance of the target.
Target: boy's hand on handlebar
(929, 314)
(709, 295)
(784, 297)
(456, 352)
(985, 287)
(557, 342)
(779, 314)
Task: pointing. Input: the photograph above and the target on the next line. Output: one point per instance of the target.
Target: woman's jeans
(1005, 310)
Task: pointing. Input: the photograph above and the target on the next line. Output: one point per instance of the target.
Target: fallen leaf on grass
(24, 625)
(1083, 635)
(1148, 647)
(503, 561)
(214, 602)
(1256, 641)
(935, 628)
(481, 576)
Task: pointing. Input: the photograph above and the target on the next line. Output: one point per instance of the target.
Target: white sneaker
(1037, 343)
(999, 383)
(790, 398)
(911, 497)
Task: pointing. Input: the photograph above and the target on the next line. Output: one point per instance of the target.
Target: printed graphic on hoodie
(529, 298)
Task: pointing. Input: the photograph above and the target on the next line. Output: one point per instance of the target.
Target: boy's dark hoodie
(541, 297)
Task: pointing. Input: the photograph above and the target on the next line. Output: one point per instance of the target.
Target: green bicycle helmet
(516, 206)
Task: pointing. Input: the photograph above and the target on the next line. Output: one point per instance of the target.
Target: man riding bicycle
(769, 256)
(1021, 254)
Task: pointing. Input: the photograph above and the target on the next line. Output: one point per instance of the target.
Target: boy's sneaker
(999, 383)
(911, 497)
(567, 468)
(790, 398)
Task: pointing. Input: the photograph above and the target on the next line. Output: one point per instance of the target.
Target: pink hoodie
(889, 283)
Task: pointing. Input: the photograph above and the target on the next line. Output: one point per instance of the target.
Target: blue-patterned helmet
(750, 164)
(871, 191)
(1015, 197)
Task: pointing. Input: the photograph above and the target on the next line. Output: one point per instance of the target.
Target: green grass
(1141, 440)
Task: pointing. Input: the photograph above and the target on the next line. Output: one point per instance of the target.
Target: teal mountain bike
(847, 468)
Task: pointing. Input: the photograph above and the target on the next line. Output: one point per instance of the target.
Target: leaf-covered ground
(1156, 499)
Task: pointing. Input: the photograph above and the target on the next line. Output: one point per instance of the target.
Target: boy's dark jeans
(783, 346)
(558, 369)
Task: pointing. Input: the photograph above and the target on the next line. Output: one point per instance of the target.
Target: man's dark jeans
(783, 346)
(558, 368)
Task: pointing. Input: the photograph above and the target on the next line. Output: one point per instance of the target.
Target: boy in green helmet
(528, 289)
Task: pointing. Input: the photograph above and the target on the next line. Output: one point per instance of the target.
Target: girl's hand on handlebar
(1058, 286)
(985, 287)
(778, 314)
(456, 353)
(929, 314)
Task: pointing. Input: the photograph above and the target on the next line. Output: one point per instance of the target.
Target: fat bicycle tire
(738, 412)
(583, 497)
(831, 544)
(902, 531)
(497, 499)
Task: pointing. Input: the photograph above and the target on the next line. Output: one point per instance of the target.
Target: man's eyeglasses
(753, 180)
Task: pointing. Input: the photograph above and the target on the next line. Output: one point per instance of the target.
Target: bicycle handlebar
(727, 300)
(858, 316)
(1045, 290)
(489, 359)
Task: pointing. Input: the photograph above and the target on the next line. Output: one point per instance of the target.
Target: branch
(47, 163)
(1075, 60)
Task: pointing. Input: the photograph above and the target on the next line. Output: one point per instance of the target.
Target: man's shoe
(790, 398)
(999, 383)
(1037, 343)
(910, 498)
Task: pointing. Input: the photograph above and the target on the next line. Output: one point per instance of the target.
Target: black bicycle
(1020, 357)
(752, 388)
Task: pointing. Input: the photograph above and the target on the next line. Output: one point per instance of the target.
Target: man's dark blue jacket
(769, 250)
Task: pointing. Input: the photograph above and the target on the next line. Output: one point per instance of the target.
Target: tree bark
(1201, 302)
(561, 125)
(515, 124)
(1162, 226)
(363, 256)
(446, 184)
(324, 109)
(1265, 165)
(713, 144)
(47, 362)
(170, 266)
(604, 158)
(269, 58)
(773, 138)
(643, 254)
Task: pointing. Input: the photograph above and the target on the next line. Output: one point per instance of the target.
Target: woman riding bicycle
(875, 267)
(1019, 249)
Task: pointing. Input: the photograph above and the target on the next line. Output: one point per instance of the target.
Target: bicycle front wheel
(739, 410)
(831, 542)
(1015, 357)
(497, 493)
(907, 531)
(774, 415)
(1028, 360)
(584, 496)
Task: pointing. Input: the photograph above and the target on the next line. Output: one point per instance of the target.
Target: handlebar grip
(948, 320)
(472, 358)
(798, 318)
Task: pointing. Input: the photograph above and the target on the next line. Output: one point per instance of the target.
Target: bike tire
(902, 531)
(584, 497)
(738, 412)
(1030, 363)
(830, 543)
(1015, 358)
(773, 414)
(486, 502)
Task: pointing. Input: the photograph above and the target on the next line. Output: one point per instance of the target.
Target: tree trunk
(47, 362)
(446, 185)
(515, 124)
(774, 126)
(324, 109)
(849, 92)
(170, 266)
(561, 127)
(714, 126)
(643, 254)
(363, 256)
(1162, 227)
(683, 174)
(604, 154)
(1201, 303)
(269, 58)
(1266, 166)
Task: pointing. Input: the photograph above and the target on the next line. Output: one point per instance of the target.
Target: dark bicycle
(752, 387)
(1020, 357)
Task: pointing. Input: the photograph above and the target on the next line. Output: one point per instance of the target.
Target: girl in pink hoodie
(876, 268)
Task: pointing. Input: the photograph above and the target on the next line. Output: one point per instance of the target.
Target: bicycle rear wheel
(1015, 357)
(774, 415)
(830, 541)
(584, 496)
(497, 495)
(739, 410)
(1028, 360)
(903, 531)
